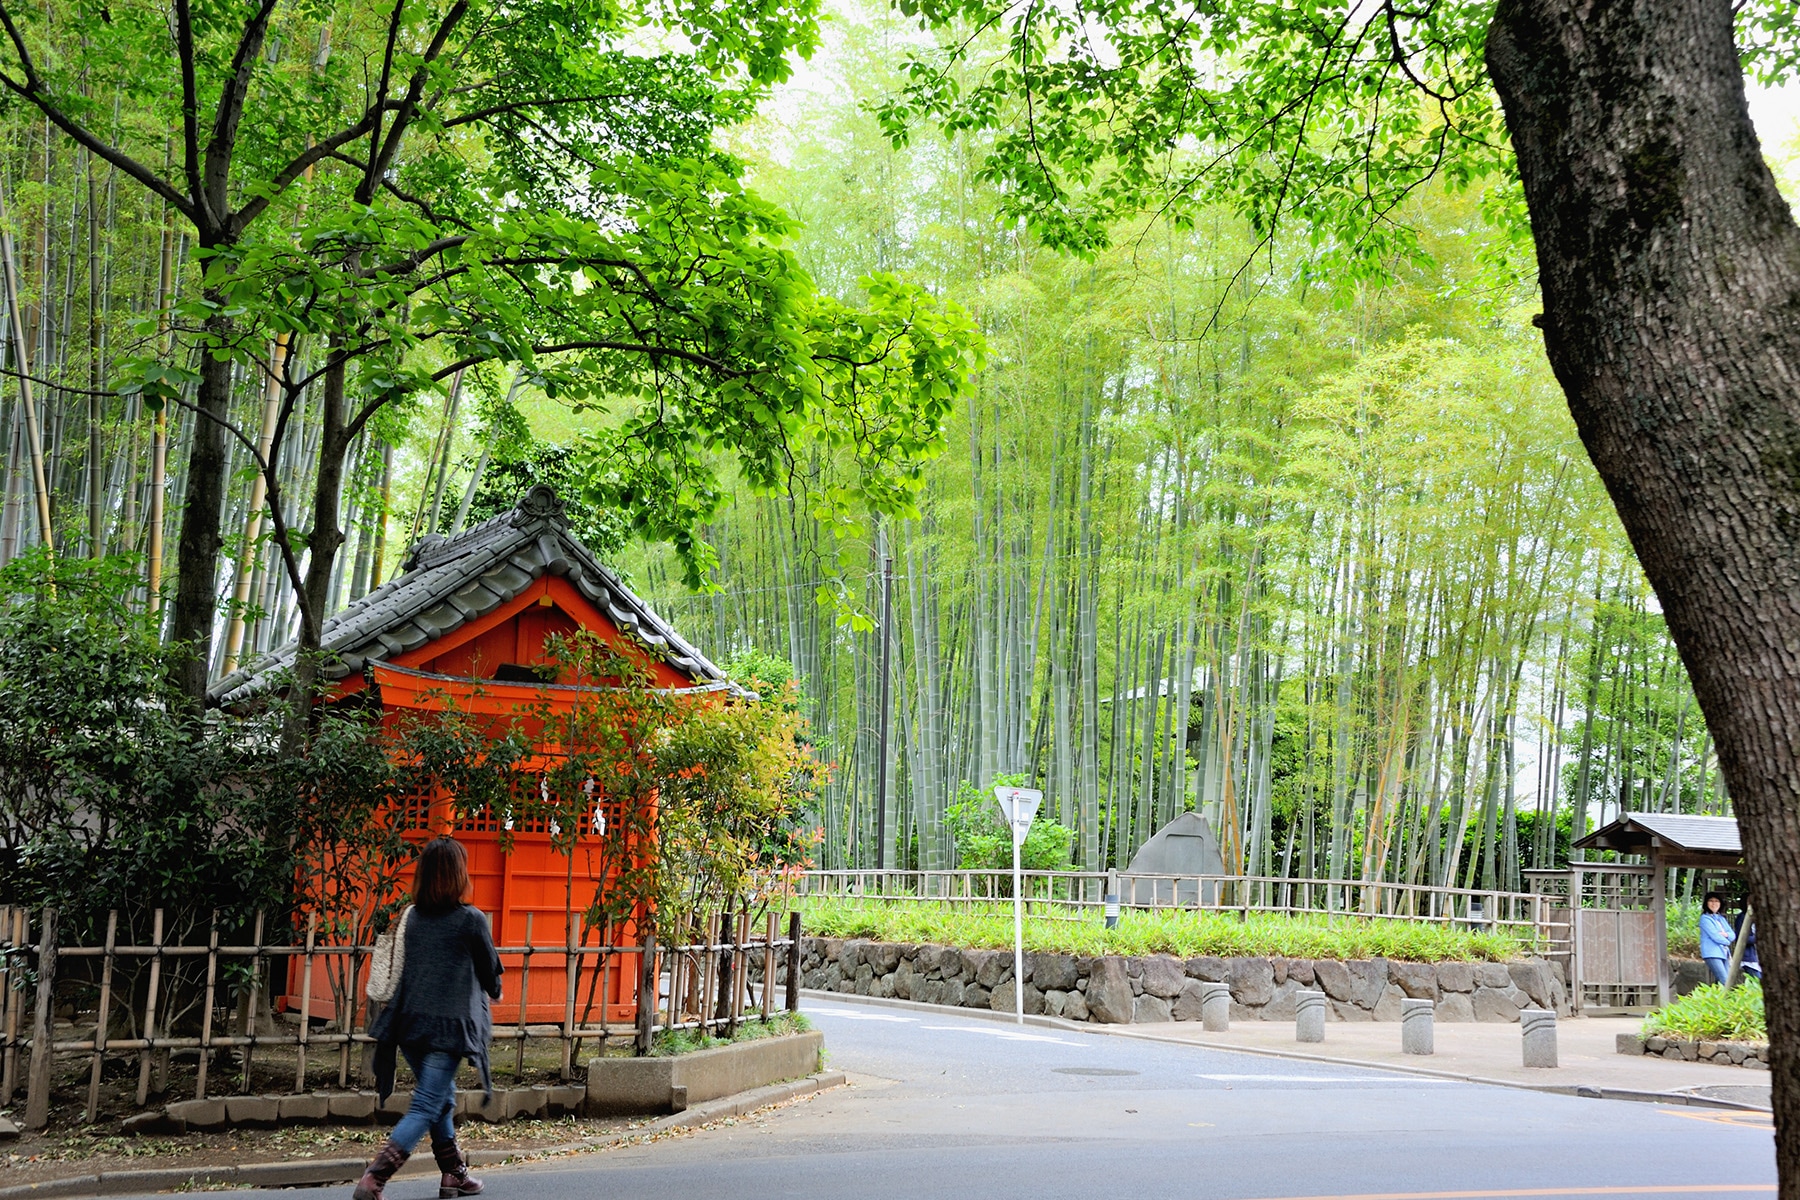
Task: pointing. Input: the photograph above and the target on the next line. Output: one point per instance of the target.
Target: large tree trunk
(1670, 268)
(197, 561)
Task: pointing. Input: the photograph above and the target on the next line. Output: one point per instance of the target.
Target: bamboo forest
(1199, 520)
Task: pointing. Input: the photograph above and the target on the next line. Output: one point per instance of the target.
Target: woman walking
(1715, 936)
(438, 1017)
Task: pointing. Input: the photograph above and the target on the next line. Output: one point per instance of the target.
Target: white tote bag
(389, 960)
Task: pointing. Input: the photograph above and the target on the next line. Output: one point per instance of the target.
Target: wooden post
(106, 970)
(572, 978)
(768, 986)
(37, 1094)
(306, 975)
(646, 998)
(1659, 903)
(254, 998)
(740, 971)
(524, 1002)
(156, 937)
(206, 1010)
(16, 922)
(727, 981)
(793, 963)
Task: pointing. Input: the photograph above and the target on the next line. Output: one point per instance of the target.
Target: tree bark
(1670, 268)
(323, 542)
(197, 552)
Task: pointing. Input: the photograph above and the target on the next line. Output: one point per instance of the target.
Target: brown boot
(456, 1180)
(388, 1159)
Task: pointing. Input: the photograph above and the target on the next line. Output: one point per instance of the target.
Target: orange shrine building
(467, 619)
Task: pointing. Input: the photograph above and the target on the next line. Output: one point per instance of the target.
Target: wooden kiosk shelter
(468, 619)
(1618, 912)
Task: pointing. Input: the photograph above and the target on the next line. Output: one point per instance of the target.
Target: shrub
(1713, 1013)
(983, 842)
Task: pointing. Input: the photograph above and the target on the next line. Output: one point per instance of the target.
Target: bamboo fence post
(793, 962)
(149, 1052)
(104, 1012)
(768, 978)
(306, 978)
(605, 969)
(16, 924)
(704, 971)
(740, 973)
(646, 997)
(37, 1095)
(256, 964)
(524, 1002)
(206, 1011)
(571, 979)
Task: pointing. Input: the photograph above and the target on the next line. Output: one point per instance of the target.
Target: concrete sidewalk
(1483, 1052)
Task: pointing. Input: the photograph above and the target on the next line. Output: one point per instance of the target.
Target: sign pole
(1018, 805)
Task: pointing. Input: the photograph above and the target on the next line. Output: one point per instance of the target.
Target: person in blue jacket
(1715, 936)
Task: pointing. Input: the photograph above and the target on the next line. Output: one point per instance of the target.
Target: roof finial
(542, 503)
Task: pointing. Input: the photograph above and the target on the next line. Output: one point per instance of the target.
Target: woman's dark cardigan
(442, 1004)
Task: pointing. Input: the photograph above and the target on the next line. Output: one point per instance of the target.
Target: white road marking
(1004, 1034)
(1321, 1079)
(859, 1016)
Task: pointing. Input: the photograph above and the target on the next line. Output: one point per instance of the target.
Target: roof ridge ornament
(539, 503)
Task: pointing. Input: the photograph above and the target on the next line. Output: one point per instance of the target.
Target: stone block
(1492, 975)
(1416, 1028)
(849, 955)
(1348, 1011)
(394, 1107)
(1209, 968)
(565, 1099)
(1076, 1008)
(308, 1109)
(828, 948)
(952, 994)
(1163, 976)
(1655, 1045)
(883, 986)
(1109, 996)
(1708, 1050)
(1215, 1007)
(1150, 1010)
(1454, 1008)
(1001, 999)
(261, 1112)
(156, 1123)
(1369, 979)
(1417, 980)
(1134, 968)
(1534, 979)
(1628, 1043)
(1309, 1016)
(950, 963)
(865, 975)
(1187, 1004)
(1279, 966)
(526, 1102)
(1137, 985)
(1055, 1001)
(975, 996)
(1389, 1007)
(1252, 981)
(1734, 1051)
(995, 966)
(1300, 970)
(1334, 979)
(1755, 1064)
(1456, 977)
(1281, 1008)
(905, 976)
(1537, 1035)
(883, 956)
(1492, 1004)
(1053, 971)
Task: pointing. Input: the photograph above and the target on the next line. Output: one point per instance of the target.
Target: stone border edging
(316, 1172)
(1143, 1033)
(1753, 1056)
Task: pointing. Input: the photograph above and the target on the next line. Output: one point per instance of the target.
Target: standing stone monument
(1537, 1030)
(1416, 1034)
(1215, 1007)
(1309, 1016)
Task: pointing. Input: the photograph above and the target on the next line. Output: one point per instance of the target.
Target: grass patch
(1185, 934)
(686, 1041)
(1711, 1013)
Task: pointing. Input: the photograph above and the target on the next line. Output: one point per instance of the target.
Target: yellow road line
(1653, 1189)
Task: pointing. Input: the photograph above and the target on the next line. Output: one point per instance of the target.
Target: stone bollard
(1537, 1030)
(1215, 1007)
(1416, 1028)
(1309, 1016)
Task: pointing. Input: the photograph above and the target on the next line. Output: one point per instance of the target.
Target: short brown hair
(441, 881)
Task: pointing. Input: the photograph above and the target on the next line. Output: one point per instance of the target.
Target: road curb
(321, 1172)
(1144, 1034)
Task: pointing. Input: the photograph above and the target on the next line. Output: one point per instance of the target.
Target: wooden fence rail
(171, 996)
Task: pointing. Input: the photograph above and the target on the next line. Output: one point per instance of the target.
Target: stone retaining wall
(1752, 1055)
(1120, 990)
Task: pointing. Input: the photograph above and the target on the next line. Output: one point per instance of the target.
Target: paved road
(944, 1106)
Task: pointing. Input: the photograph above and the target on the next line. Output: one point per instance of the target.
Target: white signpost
(1018, 805)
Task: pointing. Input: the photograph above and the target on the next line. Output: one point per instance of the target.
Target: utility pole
(883, 770)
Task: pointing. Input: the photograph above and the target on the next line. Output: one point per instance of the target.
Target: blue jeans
(433, 1099)
(1720, 969)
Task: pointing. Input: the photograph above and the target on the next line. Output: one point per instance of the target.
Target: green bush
(1713, 1013)
(984, 925)
(983, 842)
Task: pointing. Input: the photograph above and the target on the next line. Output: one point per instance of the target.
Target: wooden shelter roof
(1708, 841)
(447, 582)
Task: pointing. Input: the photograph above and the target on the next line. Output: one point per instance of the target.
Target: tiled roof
(449, 581)
(1631, 834)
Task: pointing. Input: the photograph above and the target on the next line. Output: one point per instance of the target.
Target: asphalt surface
(944, 1106)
